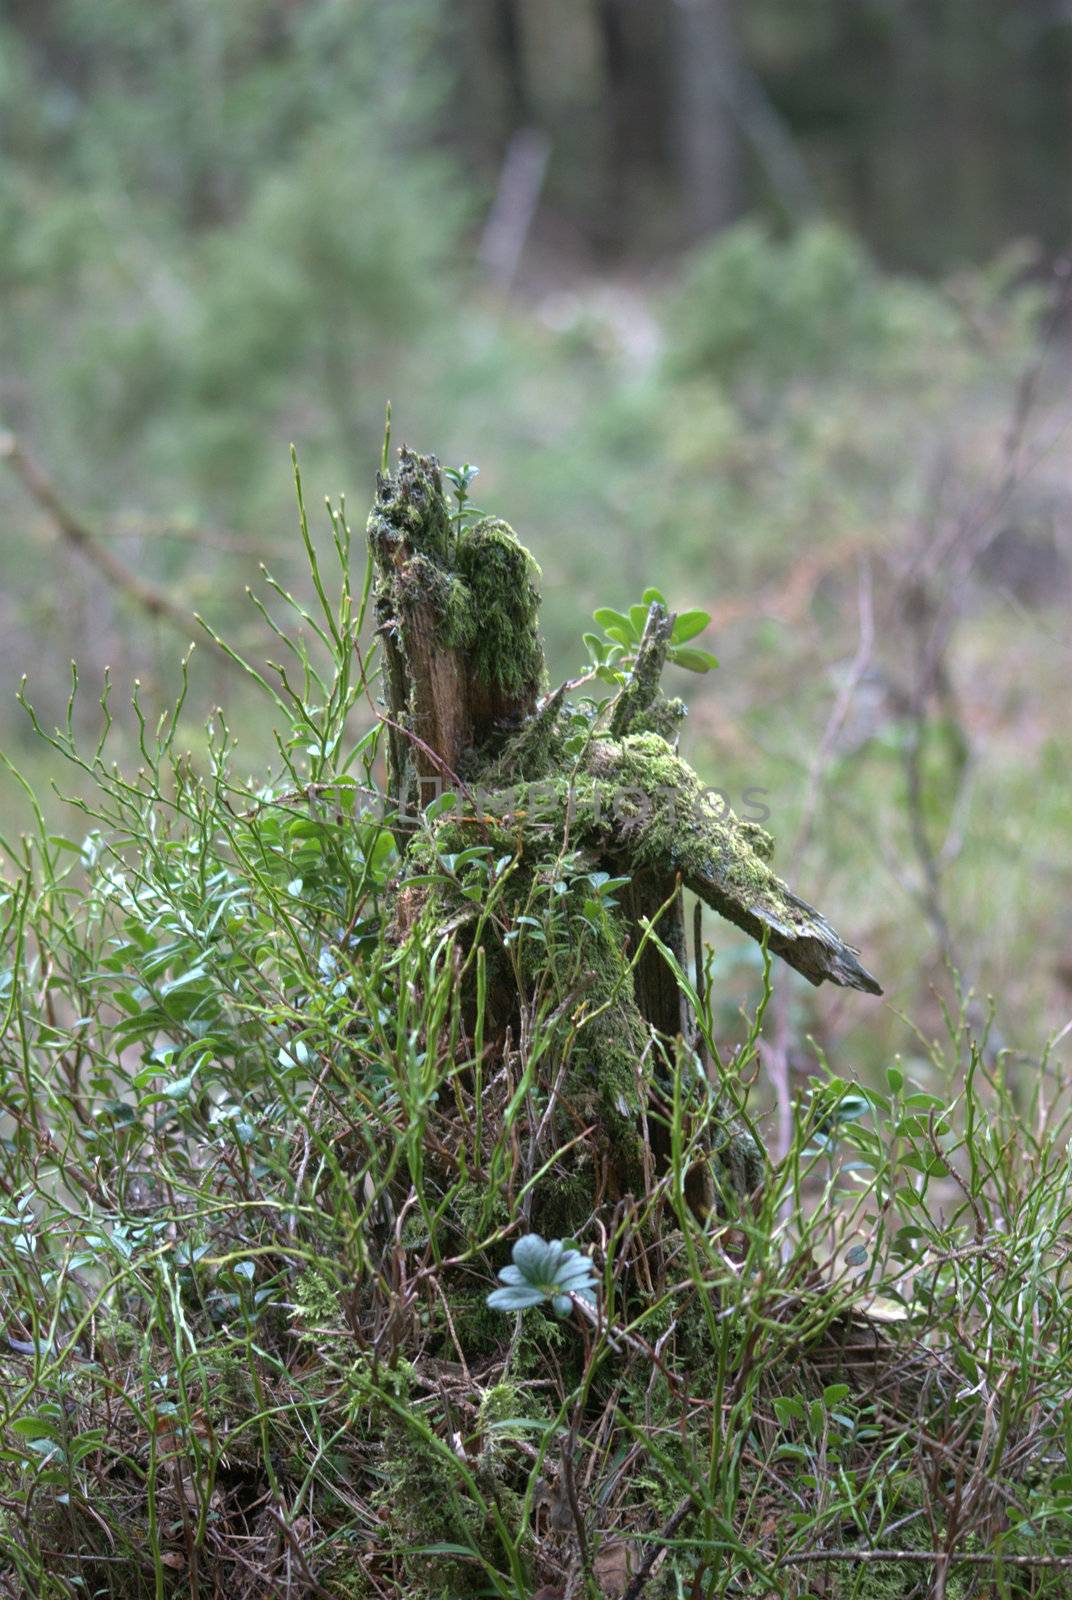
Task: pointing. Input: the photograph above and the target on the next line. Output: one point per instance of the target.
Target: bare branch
(148, 597)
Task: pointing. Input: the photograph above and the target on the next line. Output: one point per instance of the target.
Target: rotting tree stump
(544, 781)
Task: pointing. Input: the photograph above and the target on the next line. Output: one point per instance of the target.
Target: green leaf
(623, 636)
(651, 596)
(540, 1271)
(473, 852)
(606, 884)
(688, 625)
(37, 1427)
(441, 805)
(85, 1444)
(45, 1447)
(638, 616)
(693, 660)
(607, 619)
(194, 975)
(180, 1089)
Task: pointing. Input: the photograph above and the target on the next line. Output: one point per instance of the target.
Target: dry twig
(148, 597)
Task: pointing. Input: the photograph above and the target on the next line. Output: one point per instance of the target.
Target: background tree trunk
(707, 138)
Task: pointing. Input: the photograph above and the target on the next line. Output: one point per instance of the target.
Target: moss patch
(410, 508)
(501, 576)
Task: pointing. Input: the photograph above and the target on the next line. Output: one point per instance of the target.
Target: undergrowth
(260, 1172)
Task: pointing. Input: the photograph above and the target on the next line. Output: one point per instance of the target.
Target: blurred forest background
(763, 304)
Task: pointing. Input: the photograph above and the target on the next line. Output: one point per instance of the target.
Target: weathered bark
(457, 612)
(457, 615)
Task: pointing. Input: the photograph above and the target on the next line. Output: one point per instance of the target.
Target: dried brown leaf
(613, 1567)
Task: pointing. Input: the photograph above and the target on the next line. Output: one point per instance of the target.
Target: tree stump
(560, 792)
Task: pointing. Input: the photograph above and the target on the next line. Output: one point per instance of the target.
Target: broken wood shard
(677, 823)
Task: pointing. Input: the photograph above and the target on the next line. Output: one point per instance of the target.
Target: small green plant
(544, 1271)
(462, 477)
(612, 655)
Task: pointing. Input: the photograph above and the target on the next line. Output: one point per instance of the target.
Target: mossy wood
(467, 709)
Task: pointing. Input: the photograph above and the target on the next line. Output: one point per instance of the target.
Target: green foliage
(221, 233)
(224, 1130)
(810, 304)
(262, 1164)
(223, 209)
(542, 1271)
(612, 655)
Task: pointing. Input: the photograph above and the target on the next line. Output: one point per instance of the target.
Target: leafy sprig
(612, 654)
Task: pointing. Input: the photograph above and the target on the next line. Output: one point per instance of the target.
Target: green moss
(422, 582)
(738, 1161)
(533, 751)
(502, 579)
(602, 1077)
(902, 1494)
(482, 1332)
(667, 820)
(410, 506)
(501, 1403)
(634, 802)
(663, 717)
(422, 1505)
(346, 1578)
(485, 1332)
(481, 582)
(894, 1580)
(635, 795)
(459, 621)
(123, 1336)
(382, 1398)
(600, 1037)
(231, 1388)
(475, 1210)
(757, 839)
(316, 1301)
